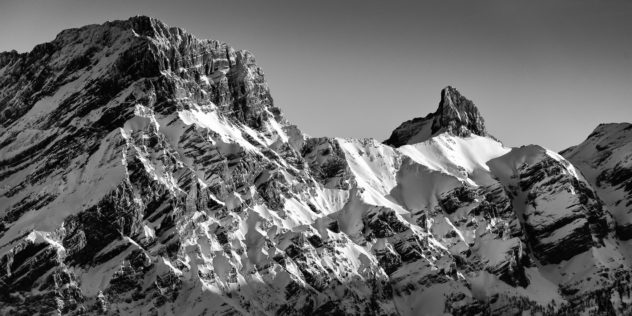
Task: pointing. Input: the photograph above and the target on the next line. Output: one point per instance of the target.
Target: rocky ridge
(144, 171)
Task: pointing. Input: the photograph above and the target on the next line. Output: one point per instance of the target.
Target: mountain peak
(117, 54)
(456, 115)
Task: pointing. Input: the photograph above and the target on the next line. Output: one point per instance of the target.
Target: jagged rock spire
(456, 115)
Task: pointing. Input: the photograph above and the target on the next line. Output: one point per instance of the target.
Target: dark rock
(455, 115)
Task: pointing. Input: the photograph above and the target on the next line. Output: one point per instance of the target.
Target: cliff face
(604, 158)
(144, 171)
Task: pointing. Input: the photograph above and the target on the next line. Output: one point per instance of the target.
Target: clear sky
(543, 72)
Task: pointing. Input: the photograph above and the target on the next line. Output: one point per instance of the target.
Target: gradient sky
(541, 72)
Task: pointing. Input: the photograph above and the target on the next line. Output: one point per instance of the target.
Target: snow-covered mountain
(605, 159)
(147, 172)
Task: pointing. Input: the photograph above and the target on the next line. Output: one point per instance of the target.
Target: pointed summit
(456, 115)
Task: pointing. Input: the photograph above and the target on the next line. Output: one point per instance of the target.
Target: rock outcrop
(455, 115)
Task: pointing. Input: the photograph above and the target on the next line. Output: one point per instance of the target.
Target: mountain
(147, 172)
(605, 159)
(455, 114)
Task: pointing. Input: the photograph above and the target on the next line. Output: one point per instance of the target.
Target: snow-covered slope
(144, 171)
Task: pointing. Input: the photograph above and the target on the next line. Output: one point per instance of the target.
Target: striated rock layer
(144, 171)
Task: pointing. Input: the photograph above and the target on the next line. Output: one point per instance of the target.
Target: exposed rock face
(561, 214)
(327, 162)
(604, 158)
(456, 115)
(411, 131)
(144, 171)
